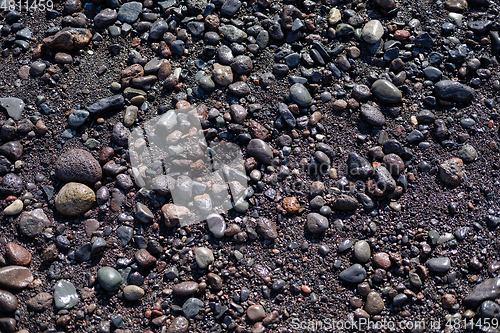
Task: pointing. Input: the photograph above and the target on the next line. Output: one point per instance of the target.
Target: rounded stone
(256, 312)
(260, 150)
(386, 91)
(362, 251)
(374, 303)
(65, 295)
(133, 293)
(78, 165)
(109, 278)
(8, 302)
(204, 257)
(354, 274)
(74, 199)
(14, 208)
(178, 325)
(300, 95)
(372, 31)
(316, 223)
(17, 254)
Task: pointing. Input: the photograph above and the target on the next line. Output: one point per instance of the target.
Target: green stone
(300, 95)
(109, 278)
(65, 295)
(91, 143)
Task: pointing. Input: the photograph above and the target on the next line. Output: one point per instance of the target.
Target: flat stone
(204, 257)
(386, 91)
(74, 199)
(78, 165)
(185, 289)
(77, 118)
(109, 278)
(15, 277)
(456, 5)
(232, 34)
(354, 274)
(13, 106)
(112, 103)
(467, 153)
(65, 295)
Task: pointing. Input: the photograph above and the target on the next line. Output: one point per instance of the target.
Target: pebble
(74, 199)
(68, 39)
(291, 205)
(14, 208)
(374, 303)
(65, 295)
(178, 325)
(451, 172)
(256, 312)
(487, 290)
(192, 307)
(204, 257)
(17, 254)
(8, 302)
(109, 278)
(354, 274)
(78, 165)
(32, 223)
(267, 229)
(467, 153)
(216, 225)
(372, 115)
(386, 92)
(362, 251)
(11, 185)
(15, 277)
(185, 289)
(129, 12)
(13, 106)
(372, 31)
(316, 223)
(108, 104)
(453, 91)
(78, 118)
(133, 293)
(300, 95)
(439, 265)
(334, 16)
(260, 150)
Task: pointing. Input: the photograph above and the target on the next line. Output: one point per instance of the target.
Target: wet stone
(354, 274)
(65, 295)
(109, 278)
(204, 257)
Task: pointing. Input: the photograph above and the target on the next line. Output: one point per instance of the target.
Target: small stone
(109, 278)
(260, 150)
(451, 172)
(130, 115)
(40, 302)
(77, 118)
(222, 75)
(11, 185)
(372, 115)
(143, 214)
(267, 229)
(133, 293)
(8, 302)
(467, 153)
(129, 12)
(204, 257)
(13, 106)
(216, 225)
(456, 5)
(334, 16)
(65, 295)
(178, 325)
(32, 223)
(453, 91)
(185, 289)
(439, 265)
(144, 258)
(74, 199)
(68, 39)
(291, 205)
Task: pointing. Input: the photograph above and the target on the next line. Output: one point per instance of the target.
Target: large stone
(74, 199)
(68, 39)
(260, 150)
(300, 95)
(15, 277)
(487, 290)
(78, 165)
(65, 295)
(32, 223)
(40, 302)
(8, 302)
(372, 31)
(11, 184)
(129, 12)
(386, 91)
(13, 106)
(454, 91)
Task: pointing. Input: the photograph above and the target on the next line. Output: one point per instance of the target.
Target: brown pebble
(17, 255)
(448, 300)
(291, 205)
